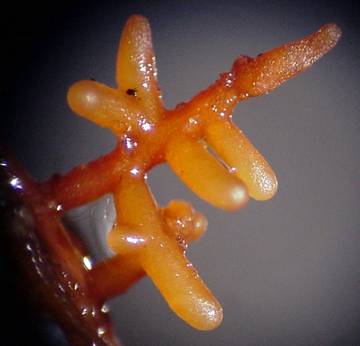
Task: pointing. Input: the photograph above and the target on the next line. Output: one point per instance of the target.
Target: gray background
(286, 271)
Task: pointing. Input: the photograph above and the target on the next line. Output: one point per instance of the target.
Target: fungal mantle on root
(145, 238)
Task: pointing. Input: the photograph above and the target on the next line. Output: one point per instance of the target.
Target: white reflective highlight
(15, 182)
(87, 262)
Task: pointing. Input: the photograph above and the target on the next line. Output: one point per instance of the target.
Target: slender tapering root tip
(264, 73)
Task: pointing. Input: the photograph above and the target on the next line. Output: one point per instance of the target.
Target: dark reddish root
(50, 260)
(115, 276)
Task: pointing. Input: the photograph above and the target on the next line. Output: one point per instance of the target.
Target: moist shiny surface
(146, 238)
(148, 134)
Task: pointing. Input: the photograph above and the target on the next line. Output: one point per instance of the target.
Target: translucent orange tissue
(152, 240)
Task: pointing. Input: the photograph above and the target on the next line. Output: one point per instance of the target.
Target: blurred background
(286, 271)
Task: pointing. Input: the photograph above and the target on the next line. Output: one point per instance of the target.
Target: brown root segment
(147, 239)
(115, 276)
(51, 261)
